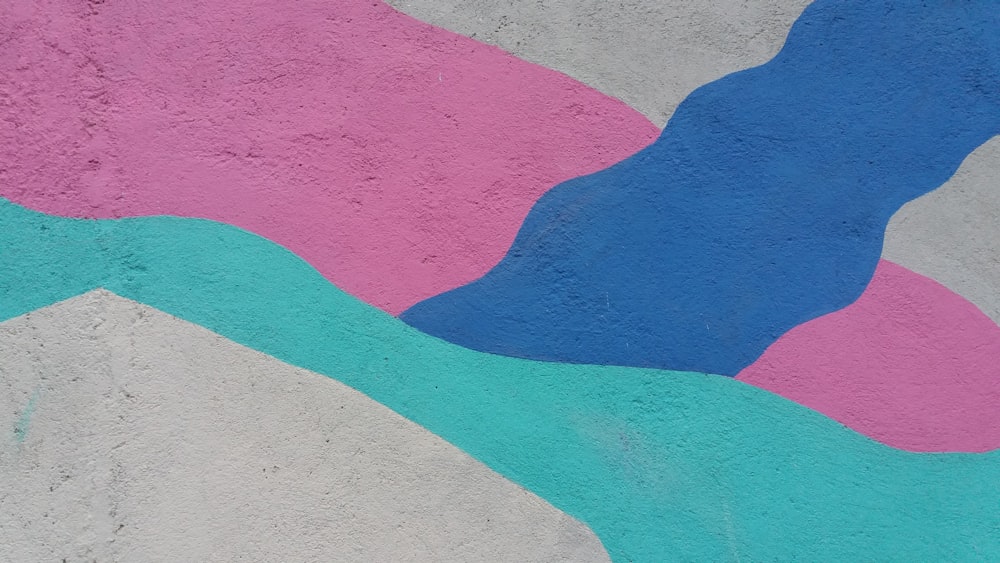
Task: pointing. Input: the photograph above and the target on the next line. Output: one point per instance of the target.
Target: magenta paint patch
(910, 364)
(397, 158)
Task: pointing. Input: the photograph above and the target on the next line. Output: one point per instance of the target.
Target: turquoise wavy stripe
(661, 465)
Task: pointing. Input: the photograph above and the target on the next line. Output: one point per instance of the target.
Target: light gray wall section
(953, 233)
(653, 53)
(129, 435)
(650, 54)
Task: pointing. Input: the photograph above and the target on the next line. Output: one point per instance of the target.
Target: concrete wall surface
(512, 280)
(651, 55)
(140, 437)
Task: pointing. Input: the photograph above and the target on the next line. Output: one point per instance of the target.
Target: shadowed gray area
(130, 435)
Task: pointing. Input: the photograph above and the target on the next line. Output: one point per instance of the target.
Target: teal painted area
(24, 421)
(45, 260)
(662, 465)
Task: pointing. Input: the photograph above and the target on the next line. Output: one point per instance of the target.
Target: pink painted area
(397, 158)
(910, 364)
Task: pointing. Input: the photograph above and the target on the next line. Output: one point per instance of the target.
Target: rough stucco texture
(399, 160)
(629, 452)
(96, 90)
(762, 205)
(653, 54)
(953, 233)
(140, 437)
(396, 157)
(910, 364)
(650, 54)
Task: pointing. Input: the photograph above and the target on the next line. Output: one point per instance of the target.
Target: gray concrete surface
(130, 435)
(952, 234)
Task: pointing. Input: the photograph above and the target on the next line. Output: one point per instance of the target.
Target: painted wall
(527, 281)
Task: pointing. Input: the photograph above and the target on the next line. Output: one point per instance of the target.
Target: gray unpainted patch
(156, 440)
(652, 53)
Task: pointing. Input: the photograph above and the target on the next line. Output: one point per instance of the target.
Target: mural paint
(910, 364)
(760, 207)
(354, 137)
(397, 158)
(951, 234)
(652, 54)
(157, 440)
(630, 452)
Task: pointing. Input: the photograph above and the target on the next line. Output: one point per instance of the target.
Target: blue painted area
(761, 206)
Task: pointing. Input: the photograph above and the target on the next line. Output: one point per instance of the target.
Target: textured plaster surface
(953, 234)
(100, 100)
(115, 110)
(395, 157)
(630, 452)
(130, 435)
(910, 364)
(651, 54)
(761, 206)
(648, 53)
